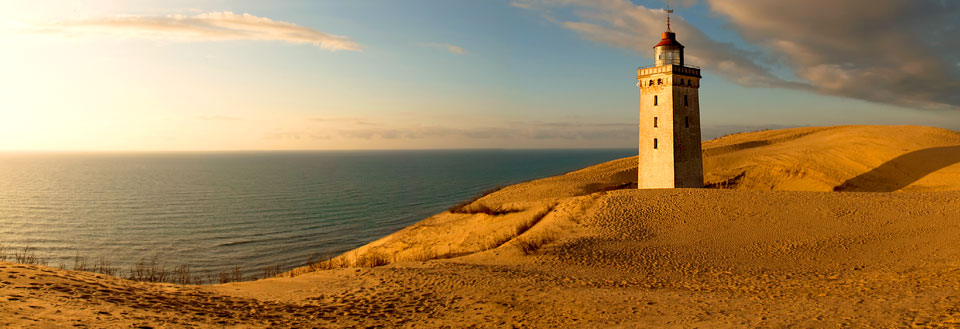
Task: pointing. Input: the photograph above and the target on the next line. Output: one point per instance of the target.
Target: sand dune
(587, 250)
(846, 158)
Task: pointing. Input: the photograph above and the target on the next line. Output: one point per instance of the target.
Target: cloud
(214, 26)
(286, 134)
(218, 118)
(601, 133)
(341, 120)
(512, 131)
(622, 24)
(887, 51)
(457, 50)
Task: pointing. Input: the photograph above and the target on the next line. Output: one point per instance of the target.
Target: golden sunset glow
(159, 75)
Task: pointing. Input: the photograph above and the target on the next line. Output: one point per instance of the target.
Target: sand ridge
(842, 158)
(584, 250)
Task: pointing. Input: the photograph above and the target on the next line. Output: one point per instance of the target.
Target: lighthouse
(669, 155)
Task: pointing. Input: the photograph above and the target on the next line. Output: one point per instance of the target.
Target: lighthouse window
(659, 81)
(685, 103)
(688, 82)
(654, 143)
(651, 82)
(654, 122)
(686, 121)
(681, 81)
(654, 100)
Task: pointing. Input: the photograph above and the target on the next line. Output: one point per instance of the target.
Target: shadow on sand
(902, 170)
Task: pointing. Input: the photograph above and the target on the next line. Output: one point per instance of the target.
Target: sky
(437, 74)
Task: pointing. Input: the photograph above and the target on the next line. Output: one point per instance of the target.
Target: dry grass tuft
(530, 245)
(324, 263)
(464, 207)
(430, 253)
(424, 254)
(79, 262)
(272, 271)
(484, 209)
(152, 270)
(498, 241)
(26, 256)
(155, 270)
(103, 266)
(182, 274)
(372, 259)
(525, 226)
(234, 275)
(448, 255)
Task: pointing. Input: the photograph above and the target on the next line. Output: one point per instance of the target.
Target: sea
(249, 210)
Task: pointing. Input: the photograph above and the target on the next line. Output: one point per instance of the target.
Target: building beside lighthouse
(669, 154)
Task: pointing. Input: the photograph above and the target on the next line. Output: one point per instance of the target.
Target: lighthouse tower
(669, 119)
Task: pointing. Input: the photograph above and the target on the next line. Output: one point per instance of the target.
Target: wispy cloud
(622, 24)
(341, 120)
(887, 51)
(533, 130)
(219, 118)
(214, 26)
(287, 134)
(449, 47)
(579, 130)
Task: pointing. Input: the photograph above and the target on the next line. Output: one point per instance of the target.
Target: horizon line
(309, 150)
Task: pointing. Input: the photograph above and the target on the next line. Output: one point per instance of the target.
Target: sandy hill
(586, 250)
(845, 158)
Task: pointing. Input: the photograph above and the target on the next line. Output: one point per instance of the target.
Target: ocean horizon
(251, 209)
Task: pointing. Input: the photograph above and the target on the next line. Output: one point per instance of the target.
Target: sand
(845, 158)
(816, 227)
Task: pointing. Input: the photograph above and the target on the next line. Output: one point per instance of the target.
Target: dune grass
(272, 271)
(27, 256)
(470, 206)
(234, 275)
(479, 208)
(155, 270)
(151, 269)
(371, 259)
(103, 266)
(498, 241)
(528, 224)
(530, 245)
(318, 263)
(429, 253)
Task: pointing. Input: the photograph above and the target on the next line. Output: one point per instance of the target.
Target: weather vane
(669, 11)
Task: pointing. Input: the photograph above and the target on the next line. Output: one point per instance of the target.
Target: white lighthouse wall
(688, 160)
(656, 166)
